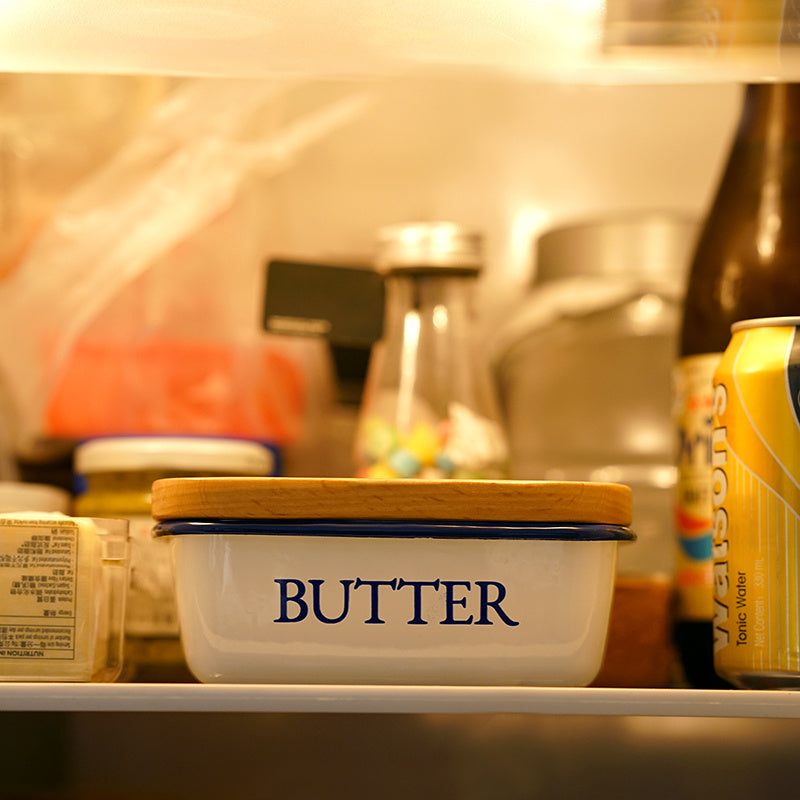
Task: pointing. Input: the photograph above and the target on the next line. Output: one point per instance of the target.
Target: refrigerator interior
(503, 120)
(314, 169)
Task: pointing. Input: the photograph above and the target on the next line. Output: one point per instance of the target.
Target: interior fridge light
(576, 41)
(251, 38)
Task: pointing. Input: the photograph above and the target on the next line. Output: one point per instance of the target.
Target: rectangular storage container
(63, 583)
(292, 580)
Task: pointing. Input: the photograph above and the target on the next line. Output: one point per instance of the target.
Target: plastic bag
(81, 357)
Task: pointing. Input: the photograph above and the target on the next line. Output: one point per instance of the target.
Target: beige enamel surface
(352, 498)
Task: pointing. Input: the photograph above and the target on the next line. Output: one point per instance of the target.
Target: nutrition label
(38, 589)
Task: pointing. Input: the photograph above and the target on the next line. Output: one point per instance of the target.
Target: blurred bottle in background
(584, 369)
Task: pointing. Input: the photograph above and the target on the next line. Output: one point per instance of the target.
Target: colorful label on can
(693, 396)
(756, 499)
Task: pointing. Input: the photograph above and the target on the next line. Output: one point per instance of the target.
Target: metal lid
(196, 454)
(395, 499)
(424, 246)
(656, 245)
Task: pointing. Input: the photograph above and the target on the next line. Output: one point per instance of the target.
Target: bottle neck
(771, 113)
(745, 264)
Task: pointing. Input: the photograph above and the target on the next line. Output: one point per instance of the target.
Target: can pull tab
(342, 304)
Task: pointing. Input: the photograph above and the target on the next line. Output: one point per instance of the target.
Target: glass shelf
(399, 700)
(574, 41)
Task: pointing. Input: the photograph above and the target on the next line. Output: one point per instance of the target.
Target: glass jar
(118, 474)
(429, 409)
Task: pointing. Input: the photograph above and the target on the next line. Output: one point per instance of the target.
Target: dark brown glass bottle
(746, 265)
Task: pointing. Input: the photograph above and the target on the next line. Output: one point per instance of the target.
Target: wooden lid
(353, 498)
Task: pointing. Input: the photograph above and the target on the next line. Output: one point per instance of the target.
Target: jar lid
(21, 497)
(654, 245)
(394, 499)
(200, 454)
(419, 246)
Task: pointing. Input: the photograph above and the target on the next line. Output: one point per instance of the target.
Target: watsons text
(719, 496)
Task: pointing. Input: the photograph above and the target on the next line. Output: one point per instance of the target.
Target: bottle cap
(32, 497)
(129, 453)
(424, 246)
(654, 245)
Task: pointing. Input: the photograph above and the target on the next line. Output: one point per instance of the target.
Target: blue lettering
(451, 601)
(417, 618)
(316, 583)
(374, 618)
(486, 604)
(296, 598)
(295, 607)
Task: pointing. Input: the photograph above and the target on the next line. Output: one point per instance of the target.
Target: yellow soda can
(755, 463)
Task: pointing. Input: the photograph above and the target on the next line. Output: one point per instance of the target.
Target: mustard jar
(117, 474)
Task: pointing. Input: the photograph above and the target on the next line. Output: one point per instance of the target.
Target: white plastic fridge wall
(507, 156)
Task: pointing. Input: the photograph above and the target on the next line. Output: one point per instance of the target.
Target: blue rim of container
(399, 529)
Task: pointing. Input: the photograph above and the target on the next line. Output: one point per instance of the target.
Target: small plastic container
(350, 581)
(118, 473)
(63, 582)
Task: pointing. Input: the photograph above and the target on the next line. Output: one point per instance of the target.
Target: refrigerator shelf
(398, 700)
(573, 40)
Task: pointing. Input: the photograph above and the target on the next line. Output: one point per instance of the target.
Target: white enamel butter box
(293, 580)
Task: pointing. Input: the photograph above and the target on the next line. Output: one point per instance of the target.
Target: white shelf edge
(68, 697)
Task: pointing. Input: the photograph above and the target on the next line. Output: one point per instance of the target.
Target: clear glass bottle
(429, 407)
